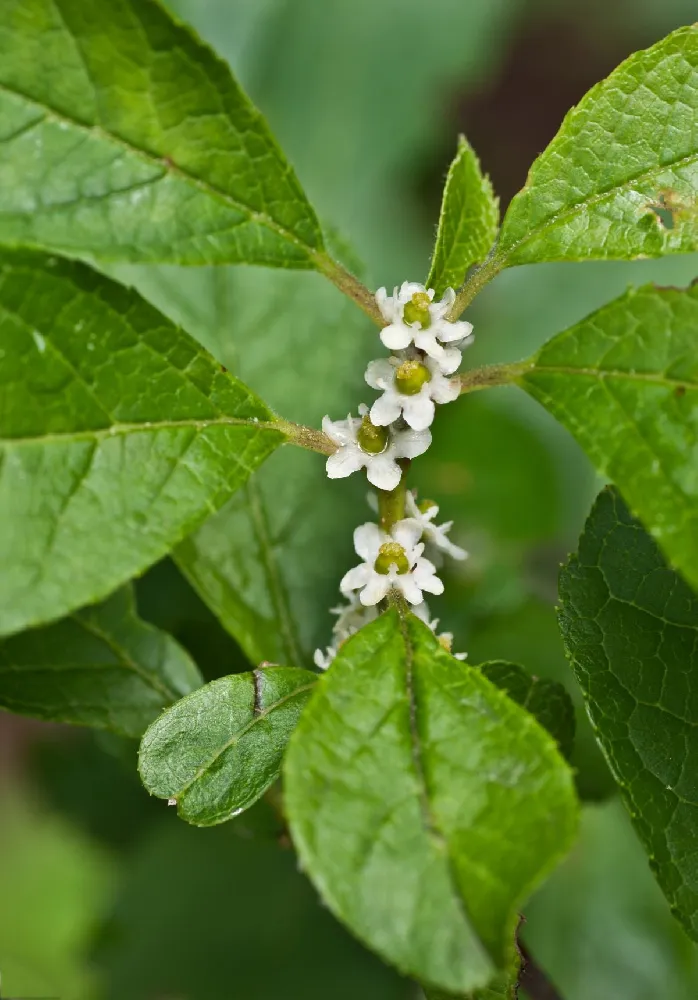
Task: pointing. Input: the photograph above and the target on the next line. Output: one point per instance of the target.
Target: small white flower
(446, 640)
(429, 333)
(323, 660)
(351, 617)
(435, 534)
(391, 560)
(382, 469)
(418, 407)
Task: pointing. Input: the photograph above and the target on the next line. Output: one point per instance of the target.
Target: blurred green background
(103, 893)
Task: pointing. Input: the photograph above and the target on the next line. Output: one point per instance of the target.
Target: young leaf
(624, 381)
(217, 750)
(546, 700)
(124, 137)
(102, 666)
(619, 179)
(468, 222)
(630, 624)
(425, 804)
(118, 436)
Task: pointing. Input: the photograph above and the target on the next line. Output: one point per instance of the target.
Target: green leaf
(126, 138)
(546, 700)
(468, 222)
(103, 666)
(501, 990)
(624, 381)
(630, 625)
(619, 179)
(118, 436)
(424, 804)
(217, 750)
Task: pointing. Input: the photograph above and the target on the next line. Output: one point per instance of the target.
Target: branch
(305, 437)
(351, 286)
(492, 375)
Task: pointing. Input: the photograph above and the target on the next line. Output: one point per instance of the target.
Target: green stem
(474, 284)
(492, 375)
(350, 286)
(391, 503)
(305, 437)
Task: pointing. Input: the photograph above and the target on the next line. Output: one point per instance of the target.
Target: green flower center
(372, 439)
(417, 310)
(391, 554)
(410, 377)
(426, 505)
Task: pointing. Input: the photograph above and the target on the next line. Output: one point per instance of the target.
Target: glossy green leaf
(126, 138)
(546, 700)
(102, 666)
(118, 436)
(619, 180)
(424, 804)
(468, 223)
(630, 625)
(217, 750)
(269, 563)
(624, 381)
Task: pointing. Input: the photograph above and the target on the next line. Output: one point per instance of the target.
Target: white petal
(426, 341)
(460, 656)
(375, 590)
(368, 538)
(448, 332)
(426, 578)
(418, 411)
(408, 585)
(344, 462)
(407, 532)
(356, 577)
(444, 390)
(382, 471)
(396, 337)
(408, 289)
(338, 431)
(386, 409)
(422, 612)
(385, 304)
(379, 373)
(449, 360)
(410, 444)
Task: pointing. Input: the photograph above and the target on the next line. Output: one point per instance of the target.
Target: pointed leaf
(118, 435)
(424, 804)
(624, 381)
(217, 750)
(102, 666)
(124, 137)
(619, 179)
(468, 223)
(546, 700)
(630, 625)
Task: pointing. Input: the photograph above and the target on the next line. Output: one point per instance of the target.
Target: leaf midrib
(236, 737)
(170, 168)
(580, 206)
(655, 378)
(114, 430)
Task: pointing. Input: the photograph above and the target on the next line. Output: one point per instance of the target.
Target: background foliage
(169, 912)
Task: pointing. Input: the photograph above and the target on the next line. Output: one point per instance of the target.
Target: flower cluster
(411, 381)
(415, 377)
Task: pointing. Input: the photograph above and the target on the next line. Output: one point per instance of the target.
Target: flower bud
(445, 640)
(410, 377)
(417, 310)
(391, 554)
(372, 439)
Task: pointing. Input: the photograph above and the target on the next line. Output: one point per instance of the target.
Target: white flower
(435, 534)
(382, 469)
(418, 407)
(391, 560)
(446, 640)
(323, 660)
(429, 330)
